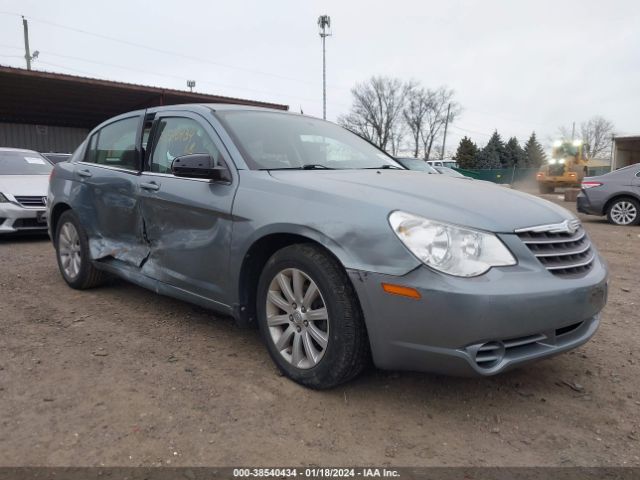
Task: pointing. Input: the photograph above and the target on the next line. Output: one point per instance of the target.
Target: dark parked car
(323, 241)
(56, 157)
(615, 194)
(416, 164)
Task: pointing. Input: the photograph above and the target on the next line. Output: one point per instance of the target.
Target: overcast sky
(515, 66)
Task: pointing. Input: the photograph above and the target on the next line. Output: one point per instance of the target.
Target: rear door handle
(151, 186)
(84, 173)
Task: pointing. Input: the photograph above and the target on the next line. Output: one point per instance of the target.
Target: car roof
(217, 107)
(201, 108)
(23, 150)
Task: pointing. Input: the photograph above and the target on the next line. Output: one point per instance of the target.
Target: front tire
(624, 211)
(72, 252)
(310, 318)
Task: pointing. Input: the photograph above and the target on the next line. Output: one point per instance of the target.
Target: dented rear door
(105, 196)
(187, 222)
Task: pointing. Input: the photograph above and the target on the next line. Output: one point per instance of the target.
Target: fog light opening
(489, 354)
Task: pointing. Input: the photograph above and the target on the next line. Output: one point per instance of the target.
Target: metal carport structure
(53, 112)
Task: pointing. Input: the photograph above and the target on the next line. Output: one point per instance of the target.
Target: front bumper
(15, 218)
(479, 326)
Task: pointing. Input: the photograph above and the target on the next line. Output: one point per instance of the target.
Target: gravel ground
(120, 376)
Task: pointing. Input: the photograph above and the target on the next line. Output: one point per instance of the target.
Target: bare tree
(397, 136)
(436, 116)
(414, 115)
(377, 108)
(596, 134)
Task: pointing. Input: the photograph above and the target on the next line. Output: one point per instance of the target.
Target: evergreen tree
(467, 154)
(514, 154)
(534, 152)
(493, 153)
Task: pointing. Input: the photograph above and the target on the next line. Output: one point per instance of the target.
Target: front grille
(556, 170)
(28, 223)
(490, 354)
(568, 329)
(31, 201)
(561, 252)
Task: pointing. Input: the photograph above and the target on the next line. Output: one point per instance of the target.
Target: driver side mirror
(200, 165)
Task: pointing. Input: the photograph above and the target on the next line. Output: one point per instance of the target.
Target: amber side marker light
(401, 290)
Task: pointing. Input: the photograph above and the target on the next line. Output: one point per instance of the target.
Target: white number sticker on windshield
(35, 161)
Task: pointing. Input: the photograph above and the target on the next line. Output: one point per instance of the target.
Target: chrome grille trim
(564, 249)
(530, 240)
(30, 200)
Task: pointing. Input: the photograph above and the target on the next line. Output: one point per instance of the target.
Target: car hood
(477, 204)
(28, 185)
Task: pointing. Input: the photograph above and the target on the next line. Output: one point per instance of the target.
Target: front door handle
(152, 186)
(84, 173)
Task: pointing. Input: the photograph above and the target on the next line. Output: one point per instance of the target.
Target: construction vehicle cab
(566, 167)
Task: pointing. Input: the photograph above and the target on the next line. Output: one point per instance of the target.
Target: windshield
(270, 141)
(449, 171)
(23, 163)
(416, 164)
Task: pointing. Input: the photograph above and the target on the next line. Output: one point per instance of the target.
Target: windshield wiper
(315, 166)
(308, 166)
(385, 167)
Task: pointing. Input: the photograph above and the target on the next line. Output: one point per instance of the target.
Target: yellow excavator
(566, 167)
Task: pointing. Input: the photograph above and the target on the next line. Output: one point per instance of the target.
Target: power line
(149, 72)
(175, 77)
(167, 52)
(471, 131)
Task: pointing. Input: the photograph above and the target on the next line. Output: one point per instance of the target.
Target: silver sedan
(325, 243)
(615, 194)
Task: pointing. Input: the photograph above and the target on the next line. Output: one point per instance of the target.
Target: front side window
(270, 140)
(115, 145)
(176, 137)
(16, 162)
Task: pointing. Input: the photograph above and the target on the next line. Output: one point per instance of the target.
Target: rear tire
(72, 252)
(624, 211)
(317, 339)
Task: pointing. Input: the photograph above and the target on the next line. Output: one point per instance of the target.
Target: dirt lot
(121, 376)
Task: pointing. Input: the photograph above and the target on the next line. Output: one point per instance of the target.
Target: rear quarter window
(115, 145)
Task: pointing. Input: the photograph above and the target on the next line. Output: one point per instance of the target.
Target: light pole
(324, 29)
(27, 53)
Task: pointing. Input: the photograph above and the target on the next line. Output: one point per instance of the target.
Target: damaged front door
(107, 203)
(187, 221)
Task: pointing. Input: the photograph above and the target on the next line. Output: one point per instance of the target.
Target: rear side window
(115, 145)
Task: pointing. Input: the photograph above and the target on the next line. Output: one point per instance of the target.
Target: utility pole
(446, 125)
(27, 53)
(573, 131)
(324, 27)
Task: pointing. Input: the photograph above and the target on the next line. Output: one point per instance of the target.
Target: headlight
(552, 161)
(561, 160)
(458, 251)
(3, 199)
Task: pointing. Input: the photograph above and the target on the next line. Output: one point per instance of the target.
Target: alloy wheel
(69, 250)
(297, 318)
(624, 213)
